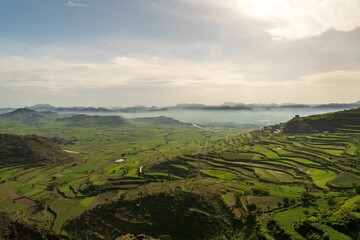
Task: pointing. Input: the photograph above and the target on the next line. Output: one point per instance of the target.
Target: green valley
(103, 177)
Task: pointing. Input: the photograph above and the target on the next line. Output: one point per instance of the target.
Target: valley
(180, 181)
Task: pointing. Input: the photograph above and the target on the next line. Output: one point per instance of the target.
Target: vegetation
(345, 121)
(106, 177)
(32, 150)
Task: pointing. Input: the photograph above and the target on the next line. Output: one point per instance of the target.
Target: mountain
(159, 120)
(340, 105)
(81, 109)
(189, 106)
(6, 110)
(341, 121)
(29, 116)
(42, 107)
(48, 107)
(211, 107)
(86, 120)
(294, 106)
(33, 150)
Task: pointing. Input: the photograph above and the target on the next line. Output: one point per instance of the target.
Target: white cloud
(298, 19)
(294, 19)
(192, 80)
(334, 79)
(52, 74)
(20, 72)
(75, 3)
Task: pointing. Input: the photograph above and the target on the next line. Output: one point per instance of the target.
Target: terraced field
(303, 164)
(284, 182)
(63, 192)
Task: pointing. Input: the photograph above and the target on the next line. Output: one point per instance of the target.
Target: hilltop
(29, 116)
(34, 150)
(330, 122)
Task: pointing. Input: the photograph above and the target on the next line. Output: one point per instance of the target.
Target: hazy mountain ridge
(29, 116)
(186, 106)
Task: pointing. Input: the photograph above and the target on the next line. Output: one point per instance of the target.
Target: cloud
(172, 79)
(299, 19)
(293, 19)
(51, 74)
(334, 79)
(74, 3)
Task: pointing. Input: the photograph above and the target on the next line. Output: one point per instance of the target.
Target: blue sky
(164, 52)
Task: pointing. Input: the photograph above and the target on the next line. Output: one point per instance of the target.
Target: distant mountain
(330, 122)
(34, 150)
(294, 106)
(6, 110)
(340, 105)
(213, 108)
(48, 107)
(159, 120)
(81, 109)
(42, 107)
(86, 120)
(188, 106)
(29, 116)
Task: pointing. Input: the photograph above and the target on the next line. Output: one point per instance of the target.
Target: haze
(164, 52)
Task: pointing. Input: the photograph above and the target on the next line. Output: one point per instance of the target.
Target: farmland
(285, 182)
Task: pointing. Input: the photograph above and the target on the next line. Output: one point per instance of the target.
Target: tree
(286, 201)
(252, 207)
(357, 189)
(165, 237)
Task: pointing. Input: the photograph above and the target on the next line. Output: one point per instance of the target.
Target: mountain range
(228, 106)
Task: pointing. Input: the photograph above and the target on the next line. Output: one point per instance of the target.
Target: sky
(164, 52)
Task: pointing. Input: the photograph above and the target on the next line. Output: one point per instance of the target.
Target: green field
(294, 179)
(219, 174)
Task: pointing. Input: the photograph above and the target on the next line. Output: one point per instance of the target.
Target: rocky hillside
(32, 150)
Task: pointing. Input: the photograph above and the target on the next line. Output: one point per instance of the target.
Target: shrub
(165, 237)
(260, 192)
(357, 189)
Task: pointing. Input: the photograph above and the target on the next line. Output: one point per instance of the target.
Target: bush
(165, 237)
(357, 189)
(252, 207)
(260, 192)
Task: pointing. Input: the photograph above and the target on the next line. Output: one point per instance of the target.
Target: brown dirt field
(9, 192)
(263, 202)
(26, 201)
(101, 198)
